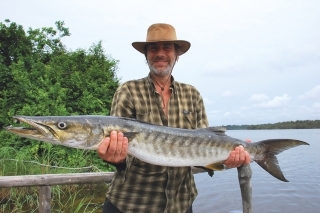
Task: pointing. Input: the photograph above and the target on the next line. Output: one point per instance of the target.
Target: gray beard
(157, 72)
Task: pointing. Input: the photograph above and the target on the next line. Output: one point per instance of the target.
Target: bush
(38, 76)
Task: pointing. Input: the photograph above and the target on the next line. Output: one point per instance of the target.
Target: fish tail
(269, 161)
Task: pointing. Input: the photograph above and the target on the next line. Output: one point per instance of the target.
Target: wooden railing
(46, 181)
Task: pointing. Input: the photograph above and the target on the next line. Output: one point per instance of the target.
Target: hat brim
(184, 45)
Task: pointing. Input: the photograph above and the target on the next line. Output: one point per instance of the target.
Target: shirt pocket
(190, 119)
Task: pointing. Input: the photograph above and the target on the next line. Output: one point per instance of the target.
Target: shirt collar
(154, 87)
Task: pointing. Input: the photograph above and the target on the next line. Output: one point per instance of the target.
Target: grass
(74, 198)
(67, 199)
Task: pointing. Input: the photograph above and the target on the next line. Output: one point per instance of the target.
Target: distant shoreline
(302, 124)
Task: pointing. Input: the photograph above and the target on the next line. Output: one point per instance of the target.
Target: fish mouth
(33, 129)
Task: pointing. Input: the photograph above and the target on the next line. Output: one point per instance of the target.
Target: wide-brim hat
(162, 33)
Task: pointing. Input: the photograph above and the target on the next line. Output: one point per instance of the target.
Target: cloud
(207, 101)
(258, 97)
(228, 93)
(312, 94)
(316, 105)
(276, 102)
(226, 114)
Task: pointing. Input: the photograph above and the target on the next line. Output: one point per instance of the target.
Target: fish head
(71, 131)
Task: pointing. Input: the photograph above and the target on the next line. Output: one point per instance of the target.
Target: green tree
(38, 76)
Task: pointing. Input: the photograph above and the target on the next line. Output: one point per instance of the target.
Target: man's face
(161, 58)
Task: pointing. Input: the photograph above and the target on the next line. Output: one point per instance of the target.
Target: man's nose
(160, 51)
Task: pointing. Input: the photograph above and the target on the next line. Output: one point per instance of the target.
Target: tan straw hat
(162, 33)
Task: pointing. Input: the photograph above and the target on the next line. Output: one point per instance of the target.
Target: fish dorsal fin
(219, 130)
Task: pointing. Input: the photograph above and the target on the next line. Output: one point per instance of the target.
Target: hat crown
(161, 32)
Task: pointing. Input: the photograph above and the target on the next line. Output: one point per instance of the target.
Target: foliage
(38, 76)
(236, 127)
(304, 124)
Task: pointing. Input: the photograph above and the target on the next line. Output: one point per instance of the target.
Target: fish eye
(62, 125)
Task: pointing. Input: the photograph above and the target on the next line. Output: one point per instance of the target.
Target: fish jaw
(37, 131)
(61, 130)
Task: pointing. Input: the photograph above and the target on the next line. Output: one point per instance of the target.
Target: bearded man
(138, 186)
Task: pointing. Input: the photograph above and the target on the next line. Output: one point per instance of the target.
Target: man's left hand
(237, 157)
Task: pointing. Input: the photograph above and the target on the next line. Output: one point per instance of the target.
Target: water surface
(300, 165)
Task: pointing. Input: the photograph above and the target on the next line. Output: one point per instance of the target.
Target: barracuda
(159, 145)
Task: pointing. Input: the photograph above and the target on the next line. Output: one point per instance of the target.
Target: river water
(300, 165)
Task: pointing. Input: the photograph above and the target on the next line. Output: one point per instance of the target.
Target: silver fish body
(159, 145)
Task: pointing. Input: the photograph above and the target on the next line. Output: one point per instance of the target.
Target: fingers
(103, 147)
(237, 157)
(113, 143)
(247, 158)
(241, 156)
(114, 148)
(124, 152)
(119, 139)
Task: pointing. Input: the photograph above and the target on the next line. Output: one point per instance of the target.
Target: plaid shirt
(143, 187)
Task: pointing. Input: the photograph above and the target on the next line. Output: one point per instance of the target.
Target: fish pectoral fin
(215, 166)
(210, 168)
(210, 171)
(130, 135)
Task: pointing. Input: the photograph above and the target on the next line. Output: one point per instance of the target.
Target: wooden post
(244, 176)
(44, 199)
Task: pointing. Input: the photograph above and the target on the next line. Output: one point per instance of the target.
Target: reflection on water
(221, 193)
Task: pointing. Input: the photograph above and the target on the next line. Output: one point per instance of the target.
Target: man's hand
(237, 157)
(114, 149)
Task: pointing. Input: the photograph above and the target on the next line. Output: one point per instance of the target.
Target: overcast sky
(253, 61)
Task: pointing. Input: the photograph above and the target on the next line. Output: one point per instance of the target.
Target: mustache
(160, 58)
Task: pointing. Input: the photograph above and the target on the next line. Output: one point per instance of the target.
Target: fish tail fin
(269, 161)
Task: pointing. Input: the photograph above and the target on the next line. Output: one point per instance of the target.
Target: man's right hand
(114, 149)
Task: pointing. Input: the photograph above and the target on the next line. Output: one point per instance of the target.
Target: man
(159, 99)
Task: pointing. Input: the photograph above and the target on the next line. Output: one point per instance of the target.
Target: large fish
(159, 145)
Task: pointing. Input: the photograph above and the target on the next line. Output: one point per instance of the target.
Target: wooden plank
(44, 199)
(55, 179)
(61, 179)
